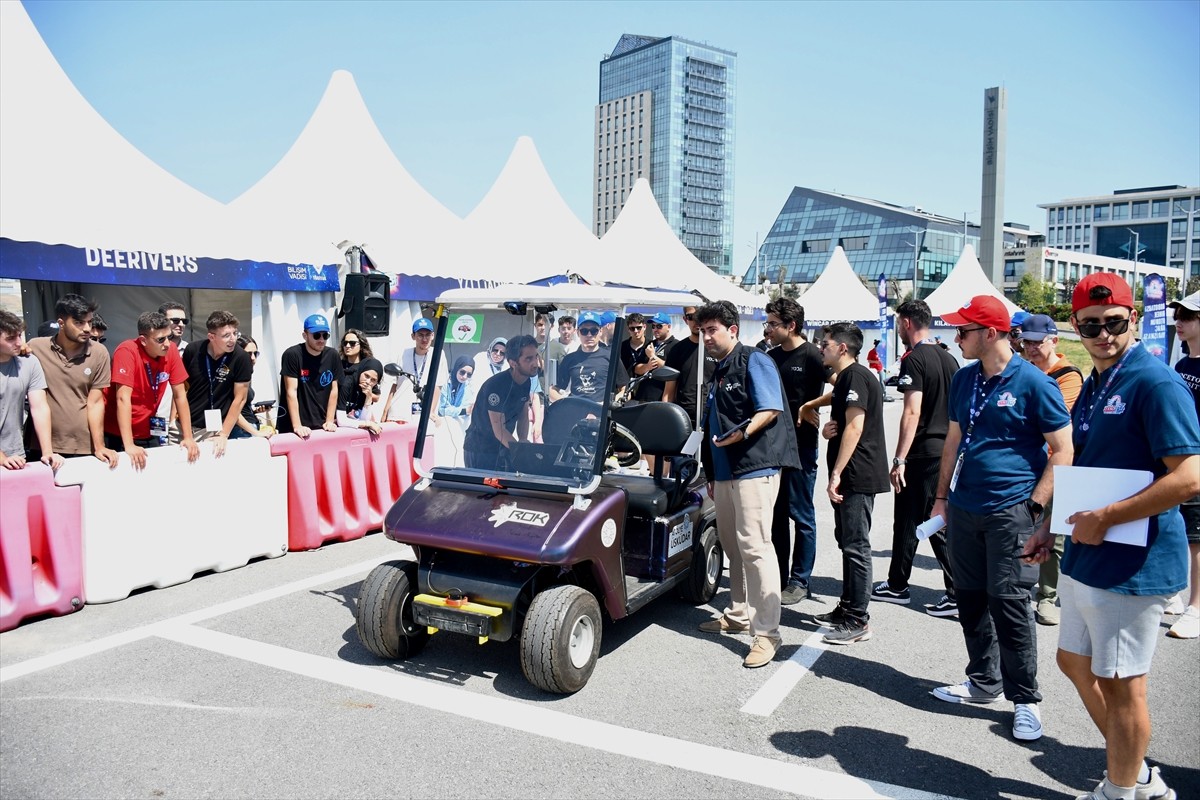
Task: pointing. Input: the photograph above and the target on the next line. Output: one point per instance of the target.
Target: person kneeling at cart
(501, 413)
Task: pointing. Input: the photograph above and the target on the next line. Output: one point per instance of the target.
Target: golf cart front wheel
(560, 639)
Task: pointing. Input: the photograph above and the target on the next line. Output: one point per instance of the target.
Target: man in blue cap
(417, 361)
(1014, 332)
(308, 382)
(608, 323)
(584, 373)
(655, 356)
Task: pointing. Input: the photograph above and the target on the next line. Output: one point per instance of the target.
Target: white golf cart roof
(568, 295)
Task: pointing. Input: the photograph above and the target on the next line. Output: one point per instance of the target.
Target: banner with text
(60, 262)
(882, 350)
(1154, 315)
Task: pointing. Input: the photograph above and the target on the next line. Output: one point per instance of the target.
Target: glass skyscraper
(879, 239)
(666, 113)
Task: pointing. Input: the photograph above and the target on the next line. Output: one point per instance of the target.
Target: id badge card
(212, 420)
(416, 409)
(958, 465)
(158, 428)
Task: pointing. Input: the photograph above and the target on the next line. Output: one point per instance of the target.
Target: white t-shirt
(418, 366)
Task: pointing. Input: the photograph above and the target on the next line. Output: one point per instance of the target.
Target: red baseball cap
(1101, 289)
(982, 309)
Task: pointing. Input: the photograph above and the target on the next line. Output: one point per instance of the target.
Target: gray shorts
(1191, 521)
(1117, 631)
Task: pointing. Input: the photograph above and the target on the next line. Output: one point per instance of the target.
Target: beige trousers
(744, 511)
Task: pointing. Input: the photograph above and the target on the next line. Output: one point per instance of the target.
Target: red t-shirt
(149, 377)
(873, 361)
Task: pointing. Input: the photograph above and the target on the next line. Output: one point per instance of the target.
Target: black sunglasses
(350, 343)
(102, 339)
(962, 332)
(689, 317)
(660, 325)
(177, 320)
(253, 354)
(1091, 330)
(589, 331)
(320, 335)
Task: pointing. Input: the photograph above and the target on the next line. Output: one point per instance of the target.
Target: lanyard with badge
(417, 384)
(1095, 399)
(973, 416)
(158, 425)
(212, 415)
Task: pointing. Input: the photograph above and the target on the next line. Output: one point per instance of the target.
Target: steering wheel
(624, 445)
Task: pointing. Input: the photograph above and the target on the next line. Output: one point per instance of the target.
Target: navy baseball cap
(588, 316)
(660, 319)
(316, 323)
(423, 324)
(1037, 327)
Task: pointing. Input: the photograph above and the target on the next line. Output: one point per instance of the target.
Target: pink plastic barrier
(41, 552)
(341, 484)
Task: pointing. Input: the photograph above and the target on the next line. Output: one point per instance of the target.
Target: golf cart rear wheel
(560, 639)
(708, 561)
(384, 619)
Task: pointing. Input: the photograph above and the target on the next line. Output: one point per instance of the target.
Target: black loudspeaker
(366, 304)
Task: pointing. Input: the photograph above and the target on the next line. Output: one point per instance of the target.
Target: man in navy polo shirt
(1133, 413)
(993, 482)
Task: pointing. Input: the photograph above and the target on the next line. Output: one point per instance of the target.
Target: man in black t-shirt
(501, 413)
(925, 372)
(857, 472)
(584, 373)
(803, 376)
(218, 379)
(633, 349)
(308, 382)
(682, 357)
(656, 354)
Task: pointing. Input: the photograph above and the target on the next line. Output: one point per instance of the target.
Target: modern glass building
(666, 113)
(879, 239)
(1158, 221)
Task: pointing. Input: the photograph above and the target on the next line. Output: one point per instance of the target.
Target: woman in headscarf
(457, 395)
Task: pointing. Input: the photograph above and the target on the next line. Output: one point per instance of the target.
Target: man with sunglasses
(143, 369)
(177, 321)
(993, 482)
(1187, 329)
(1039, 344)
(633, 349)
(655, 355)
(584, 373)
(1134, 413)
(308, 382)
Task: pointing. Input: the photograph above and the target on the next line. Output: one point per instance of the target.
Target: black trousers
(912, 507)
(993, 599)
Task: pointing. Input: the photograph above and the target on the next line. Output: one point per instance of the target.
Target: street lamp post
(916, 244)
(1136, 253)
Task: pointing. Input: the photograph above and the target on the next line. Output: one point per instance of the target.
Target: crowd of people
(972, 469)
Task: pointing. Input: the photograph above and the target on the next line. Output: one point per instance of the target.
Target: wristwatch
(899, 462)
(1038, 510)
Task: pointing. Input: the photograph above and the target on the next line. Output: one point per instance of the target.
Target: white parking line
(69, 654)
(555, 725)
(764, 702)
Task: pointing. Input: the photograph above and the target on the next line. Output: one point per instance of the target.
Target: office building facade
(666, 113)
(879, 239)
(1158, 221)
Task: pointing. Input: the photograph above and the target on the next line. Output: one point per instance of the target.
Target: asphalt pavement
(252, 683)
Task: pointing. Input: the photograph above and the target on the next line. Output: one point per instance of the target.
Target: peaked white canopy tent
(641, 249)
(838, 295)
(965, 281)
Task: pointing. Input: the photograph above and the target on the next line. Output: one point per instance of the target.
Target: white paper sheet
(1089, 488)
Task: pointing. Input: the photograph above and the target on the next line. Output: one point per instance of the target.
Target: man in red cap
(1134, 413)
(994, 480)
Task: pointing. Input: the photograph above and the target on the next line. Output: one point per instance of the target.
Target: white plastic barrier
(172, 520)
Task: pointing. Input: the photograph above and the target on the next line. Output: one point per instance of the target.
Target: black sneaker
(831, 618)
(884, 593)
(946, 607)
(848, 632)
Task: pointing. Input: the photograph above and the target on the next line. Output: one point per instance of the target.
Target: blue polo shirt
(766, 393)
(1005, 454)
(1145, 415)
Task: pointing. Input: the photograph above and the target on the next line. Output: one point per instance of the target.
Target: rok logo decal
(511, 513)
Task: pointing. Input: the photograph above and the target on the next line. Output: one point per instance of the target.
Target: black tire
(708, 561)
(560, 639)
(384, 618)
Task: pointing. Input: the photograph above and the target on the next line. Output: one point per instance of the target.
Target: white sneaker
(1027, 722)
(1187, 626)
(1153, 789)
(1174, 606)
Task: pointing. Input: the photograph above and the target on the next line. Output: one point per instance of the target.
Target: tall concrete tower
(991, 240)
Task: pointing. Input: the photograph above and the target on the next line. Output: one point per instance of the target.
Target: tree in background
(1034, 294)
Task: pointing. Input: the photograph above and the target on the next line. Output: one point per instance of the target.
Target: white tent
(641, 249)
(838, 295)
(965, 281)
(529, 230)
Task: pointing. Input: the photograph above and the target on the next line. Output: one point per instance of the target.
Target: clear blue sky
(882, 100)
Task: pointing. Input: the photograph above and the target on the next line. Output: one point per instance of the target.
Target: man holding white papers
(1134, 413)
(994, 479)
